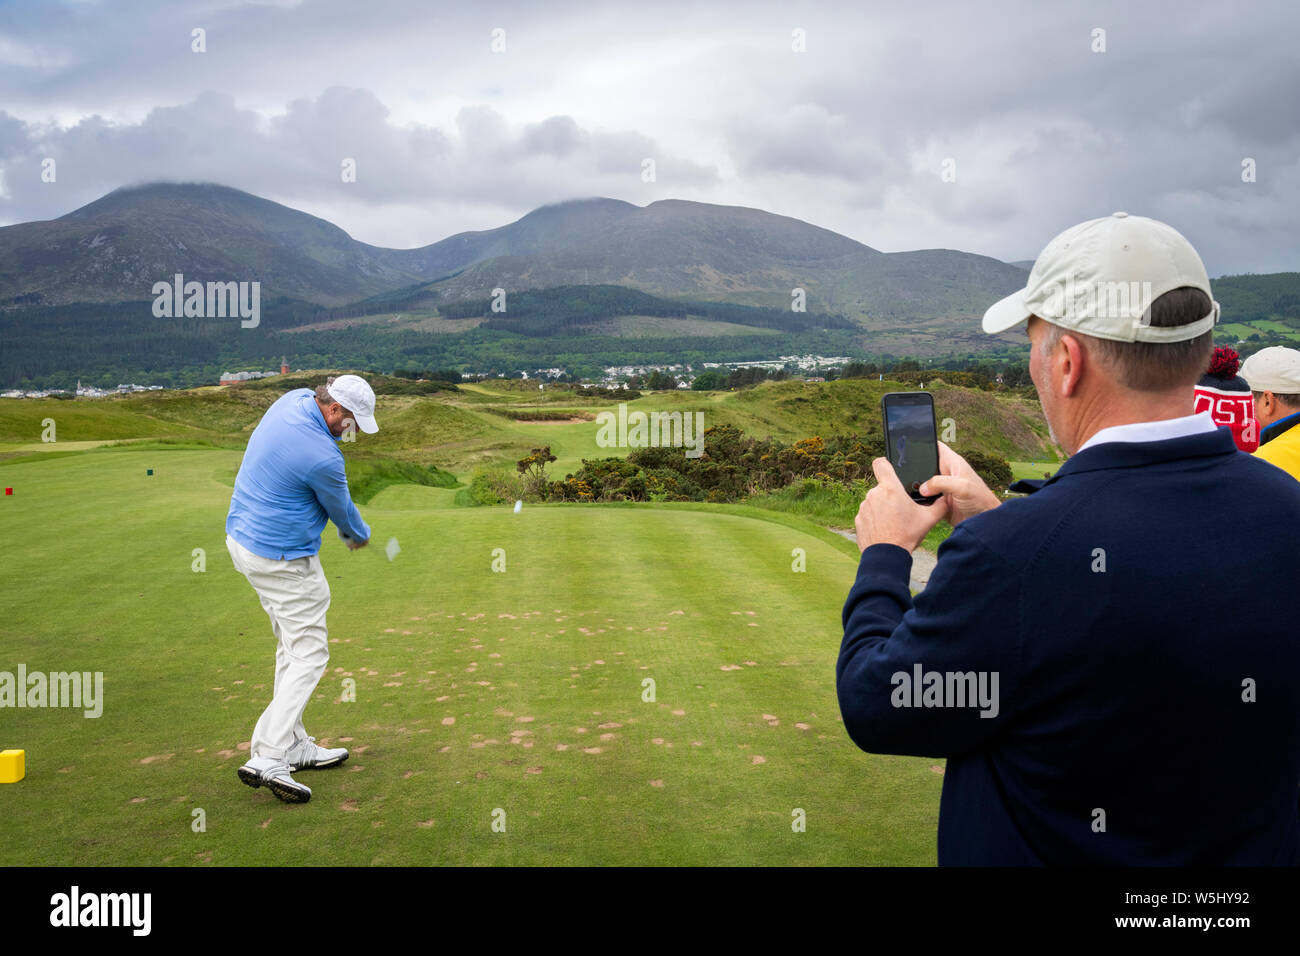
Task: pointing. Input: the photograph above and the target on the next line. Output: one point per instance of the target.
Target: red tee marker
(9, 491)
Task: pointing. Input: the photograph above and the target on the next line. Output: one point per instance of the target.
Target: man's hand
(352, 542)
(964, 492)
(888, 515)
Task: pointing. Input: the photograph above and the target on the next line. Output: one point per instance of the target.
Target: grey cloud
(848, 135)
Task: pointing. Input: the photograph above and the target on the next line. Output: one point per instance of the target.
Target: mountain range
(115, 248)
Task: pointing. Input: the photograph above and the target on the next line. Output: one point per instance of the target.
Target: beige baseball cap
(1100, 278)
(355, 394)
(1274, 369)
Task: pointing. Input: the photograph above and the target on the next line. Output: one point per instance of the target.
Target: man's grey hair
(322, 392)
(1289, 399)
(1153, 366)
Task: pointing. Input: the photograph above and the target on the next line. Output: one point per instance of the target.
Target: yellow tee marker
(13, 765)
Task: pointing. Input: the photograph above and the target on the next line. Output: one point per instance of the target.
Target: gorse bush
(735, 466)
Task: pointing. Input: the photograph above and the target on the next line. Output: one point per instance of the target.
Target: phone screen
(911, 443)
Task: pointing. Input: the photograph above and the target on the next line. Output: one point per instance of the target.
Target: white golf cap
(355, 394)
(1100, 278)
(1274, 369)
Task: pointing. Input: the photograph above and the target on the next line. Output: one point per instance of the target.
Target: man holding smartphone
(1069, 654)
(291, 483)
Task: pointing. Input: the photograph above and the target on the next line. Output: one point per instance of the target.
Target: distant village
(615, 376)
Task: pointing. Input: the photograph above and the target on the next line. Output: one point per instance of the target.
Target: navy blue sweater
(1124, 643)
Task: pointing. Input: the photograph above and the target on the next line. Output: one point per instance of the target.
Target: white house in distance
(230, 378)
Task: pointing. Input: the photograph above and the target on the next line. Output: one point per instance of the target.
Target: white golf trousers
(295, 596)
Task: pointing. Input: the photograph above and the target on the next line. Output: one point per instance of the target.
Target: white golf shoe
(305, 754)
(274, 774)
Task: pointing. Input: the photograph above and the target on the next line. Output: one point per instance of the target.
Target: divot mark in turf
(679, 713)
(424, 823)
(138, 799)
(448, 721)
(657, 741)
(610, 725)
(938, 770)
(149, 760)
(730, 667)
(533, 770)
(758, 759)
(244, 746)
(608, 737)
(350, 805)
(591, 750)
(803, 726)
(657, 783)
(264, 824)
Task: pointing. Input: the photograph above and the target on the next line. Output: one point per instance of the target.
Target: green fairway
(478, 693)
(1033, 469)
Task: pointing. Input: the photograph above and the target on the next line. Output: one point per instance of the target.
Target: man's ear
(1072, 357)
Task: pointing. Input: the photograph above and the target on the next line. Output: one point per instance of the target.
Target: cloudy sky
(1044, 114)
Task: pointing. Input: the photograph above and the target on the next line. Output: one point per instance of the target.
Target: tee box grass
(573, 684)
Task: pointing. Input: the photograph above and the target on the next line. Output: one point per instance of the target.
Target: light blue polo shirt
(291, 483)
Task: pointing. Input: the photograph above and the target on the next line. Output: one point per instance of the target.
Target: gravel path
(923, 561)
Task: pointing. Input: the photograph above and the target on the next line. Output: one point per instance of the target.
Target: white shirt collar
(1154, 431)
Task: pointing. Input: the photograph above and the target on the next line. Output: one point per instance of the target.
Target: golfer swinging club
(291, 482)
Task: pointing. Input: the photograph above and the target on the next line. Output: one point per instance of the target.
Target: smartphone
(911, 441)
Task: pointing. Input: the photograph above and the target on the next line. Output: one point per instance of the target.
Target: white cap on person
(355, 394)
(1100, 278)
(1274, 369)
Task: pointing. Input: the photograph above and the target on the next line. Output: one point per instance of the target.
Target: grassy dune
(472, 428)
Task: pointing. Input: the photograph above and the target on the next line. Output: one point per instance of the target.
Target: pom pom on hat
(1224, 363)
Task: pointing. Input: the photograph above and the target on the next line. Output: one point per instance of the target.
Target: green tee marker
(149, 472)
